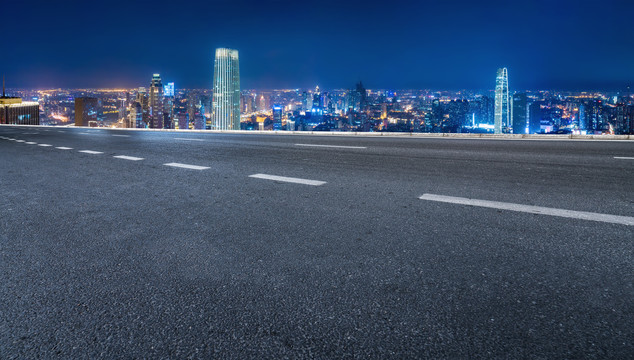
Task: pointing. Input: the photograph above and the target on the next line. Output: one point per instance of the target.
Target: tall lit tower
(155, 102)
(502, 103)
(226, 99)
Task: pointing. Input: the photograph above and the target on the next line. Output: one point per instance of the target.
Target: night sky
(567, 45)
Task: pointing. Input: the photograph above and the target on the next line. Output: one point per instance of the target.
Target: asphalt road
(131, 258)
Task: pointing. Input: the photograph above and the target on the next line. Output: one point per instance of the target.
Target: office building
(277, 117)
(520, 113)
(169, 121)
(226, 90)
(535, 118)
(17, 112)
(135, 116)
(155, 103)
(86, 109)
(502, 106)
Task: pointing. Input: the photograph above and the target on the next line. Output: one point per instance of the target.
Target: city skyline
(403, 45)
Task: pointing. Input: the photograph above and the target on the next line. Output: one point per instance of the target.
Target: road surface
(174, 244)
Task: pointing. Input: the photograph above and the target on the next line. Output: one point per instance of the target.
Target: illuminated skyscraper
(155, 102)
(502, 104)
(277, 117)
(169, 121)
(226, 97)
(135, 116)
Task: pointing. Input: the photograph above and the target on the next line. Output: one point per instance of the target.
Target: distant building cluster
(225, 106)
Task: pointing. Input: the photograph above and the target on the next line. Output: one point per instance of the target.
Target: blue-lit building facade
(226, 90)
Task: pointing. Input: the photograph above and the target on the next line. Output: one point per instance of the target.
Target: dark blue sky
(388, 44)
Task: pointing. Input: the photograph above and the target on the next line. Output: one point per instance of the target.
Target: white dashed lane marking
(288, 179)
(63, 148)
(44, 145)
(31, 143)
(187, 166)
(624, 157)
(90, 152)
(131, 158)
(582, 215)
(121, 135)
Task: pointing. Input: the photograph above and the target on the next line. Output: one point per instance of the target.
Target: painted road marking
(189, 139)
(333, 146)
(31, 143)
(132, 158)
(64, 148)
(583, 215)
(187, 166)
(44, 145)
(122, 135)
(90, 152)
(624, 157)
(19, 141)
(288, 179)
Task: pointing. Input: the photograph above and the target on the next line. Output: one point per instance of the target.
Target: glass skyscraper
(156, 102)
(226, 98)
(502, 103)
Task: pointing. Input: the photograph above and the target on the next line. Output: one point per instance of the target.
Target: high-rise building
(135, 115)
(169, 121)
(14, 111)
(86, 111)
(456, 111)
(482, 108)
(155, 103)
(363, 96)
(226, 95)
(520, 113)
(307, 101)
(535, 118)
(264, 102)
(277, 117)
(502, 106)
